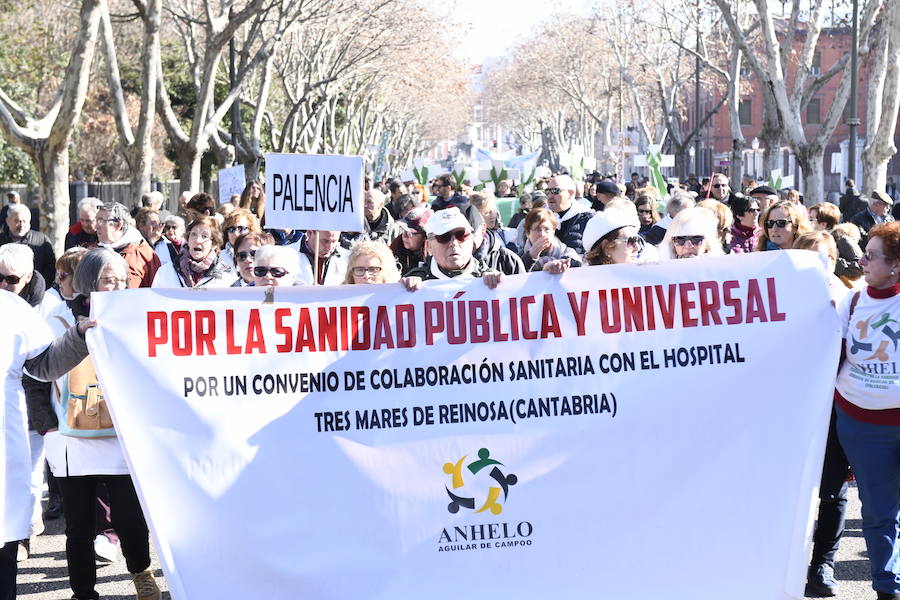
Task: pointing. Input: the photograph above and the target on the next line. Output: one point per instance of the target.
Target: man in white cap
(450, 245)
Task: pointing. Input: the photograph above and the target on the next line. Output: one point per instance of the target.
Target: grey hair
(19, 210)
(89, 202)
(17, 258)
(174, 219)
(150, 198)
(87, 274)
(117, 211)
(678, 201)
(291, 257)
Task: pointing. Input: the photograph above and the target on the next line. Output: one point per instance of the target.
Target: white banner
(231, 181)
(610, 433)
(314, 191)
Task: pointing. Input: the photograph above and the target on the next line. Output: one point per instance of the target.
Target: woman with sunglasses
(611, 237)
(867, 402)
(648, 215)
(236, 224)
(276, 266)
(246, 246)
(782, 223)
(371, 262)
(745, 231)
(409, 247)
(200, 263)
(693, 233)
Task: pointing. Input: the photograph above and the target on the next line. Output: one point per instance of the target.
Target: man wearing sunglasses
(446, 194)
(573, 216)
(720, 189)
(450, 245)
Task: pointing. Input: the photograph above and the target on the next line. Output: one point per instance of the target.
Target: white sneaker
(105, 549)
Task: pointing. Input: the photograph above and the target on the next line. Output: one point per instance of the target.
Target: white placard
(540, 440)
(314, 191)
(231, 181)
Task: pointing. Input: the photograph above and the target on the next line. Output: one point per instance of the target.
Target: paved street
(43, 576)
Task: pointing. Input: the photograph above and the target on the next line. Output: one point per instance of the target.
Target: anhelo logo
(484, 486)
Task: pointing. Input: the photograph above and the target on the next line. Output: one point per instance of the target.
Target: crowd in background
(445, 229)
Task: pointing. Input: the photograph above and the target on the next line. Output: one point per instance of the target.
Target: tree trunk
(189, 168)
(812, 162)
(53, 166)
(886, 96)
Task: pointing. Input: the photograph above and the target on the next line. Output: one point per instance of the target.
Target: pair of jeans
(8, 570)
(79, 505)
(832, 500)
(874, 454)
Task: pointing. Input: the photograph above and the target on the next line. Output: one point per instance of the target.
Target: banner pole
(316, 261)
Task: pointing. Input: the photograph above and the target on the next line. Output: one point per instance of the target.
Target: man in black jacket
(18, 224)
(878, 212)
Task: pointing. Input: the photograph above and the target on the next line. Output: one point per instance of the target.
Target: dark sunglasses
(461, 235)
(635, 241)
(779, 223)
(277, 272)
(10, 279)
(360, 271)
(554, 190)
(681, 240)
(720, 185)
(245, 255)
(754, 210)
(237, 229)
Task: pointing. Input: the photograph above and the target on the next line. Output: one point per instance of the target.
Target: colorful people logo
(867, 330)
(499, 483)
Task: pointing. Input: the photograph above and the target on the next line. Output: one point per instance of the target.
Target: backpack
(81, 409)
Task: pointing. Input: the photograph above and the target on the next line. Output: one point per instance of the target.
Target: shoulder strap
(854, 301)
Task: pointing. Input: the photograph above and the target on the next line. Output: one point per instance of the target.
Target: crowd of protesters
(412, 233)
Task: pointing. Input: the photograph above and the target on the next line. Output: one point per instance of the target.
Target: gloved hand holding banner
(617, 432)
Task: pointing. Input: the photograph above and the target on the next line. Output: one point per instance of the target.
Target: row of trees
(634, 68)
(147, 82)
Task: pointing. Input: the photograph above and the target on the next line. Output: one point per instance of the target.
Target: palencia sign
(314, 191)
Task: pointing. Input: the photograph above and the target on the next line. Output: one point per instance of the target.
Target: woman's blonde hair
(389, 271)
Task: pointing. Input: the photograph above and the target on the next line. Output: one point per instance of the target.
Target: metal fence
(107, 191)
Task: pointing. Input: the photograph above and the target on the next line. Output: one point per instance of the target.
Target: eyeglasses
(695, 240)
(360, 271)
(277, 272)
(754, 210)
(112, 281)
(870, 257)
(460, 235)
(196, 235)
(102, 220)
(779, 223)
(170, 227)
(245, 255)
(554, 190)
(237, 229)
(411, 233)
(720, 185)
(635, 241)
(10, 279)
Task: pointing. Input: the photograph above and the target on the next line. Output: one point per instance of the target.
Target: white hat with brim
(446, 220)
(606, 221)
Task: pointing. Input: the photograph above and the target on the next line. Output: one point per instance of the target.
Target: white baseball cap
(446, 220)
